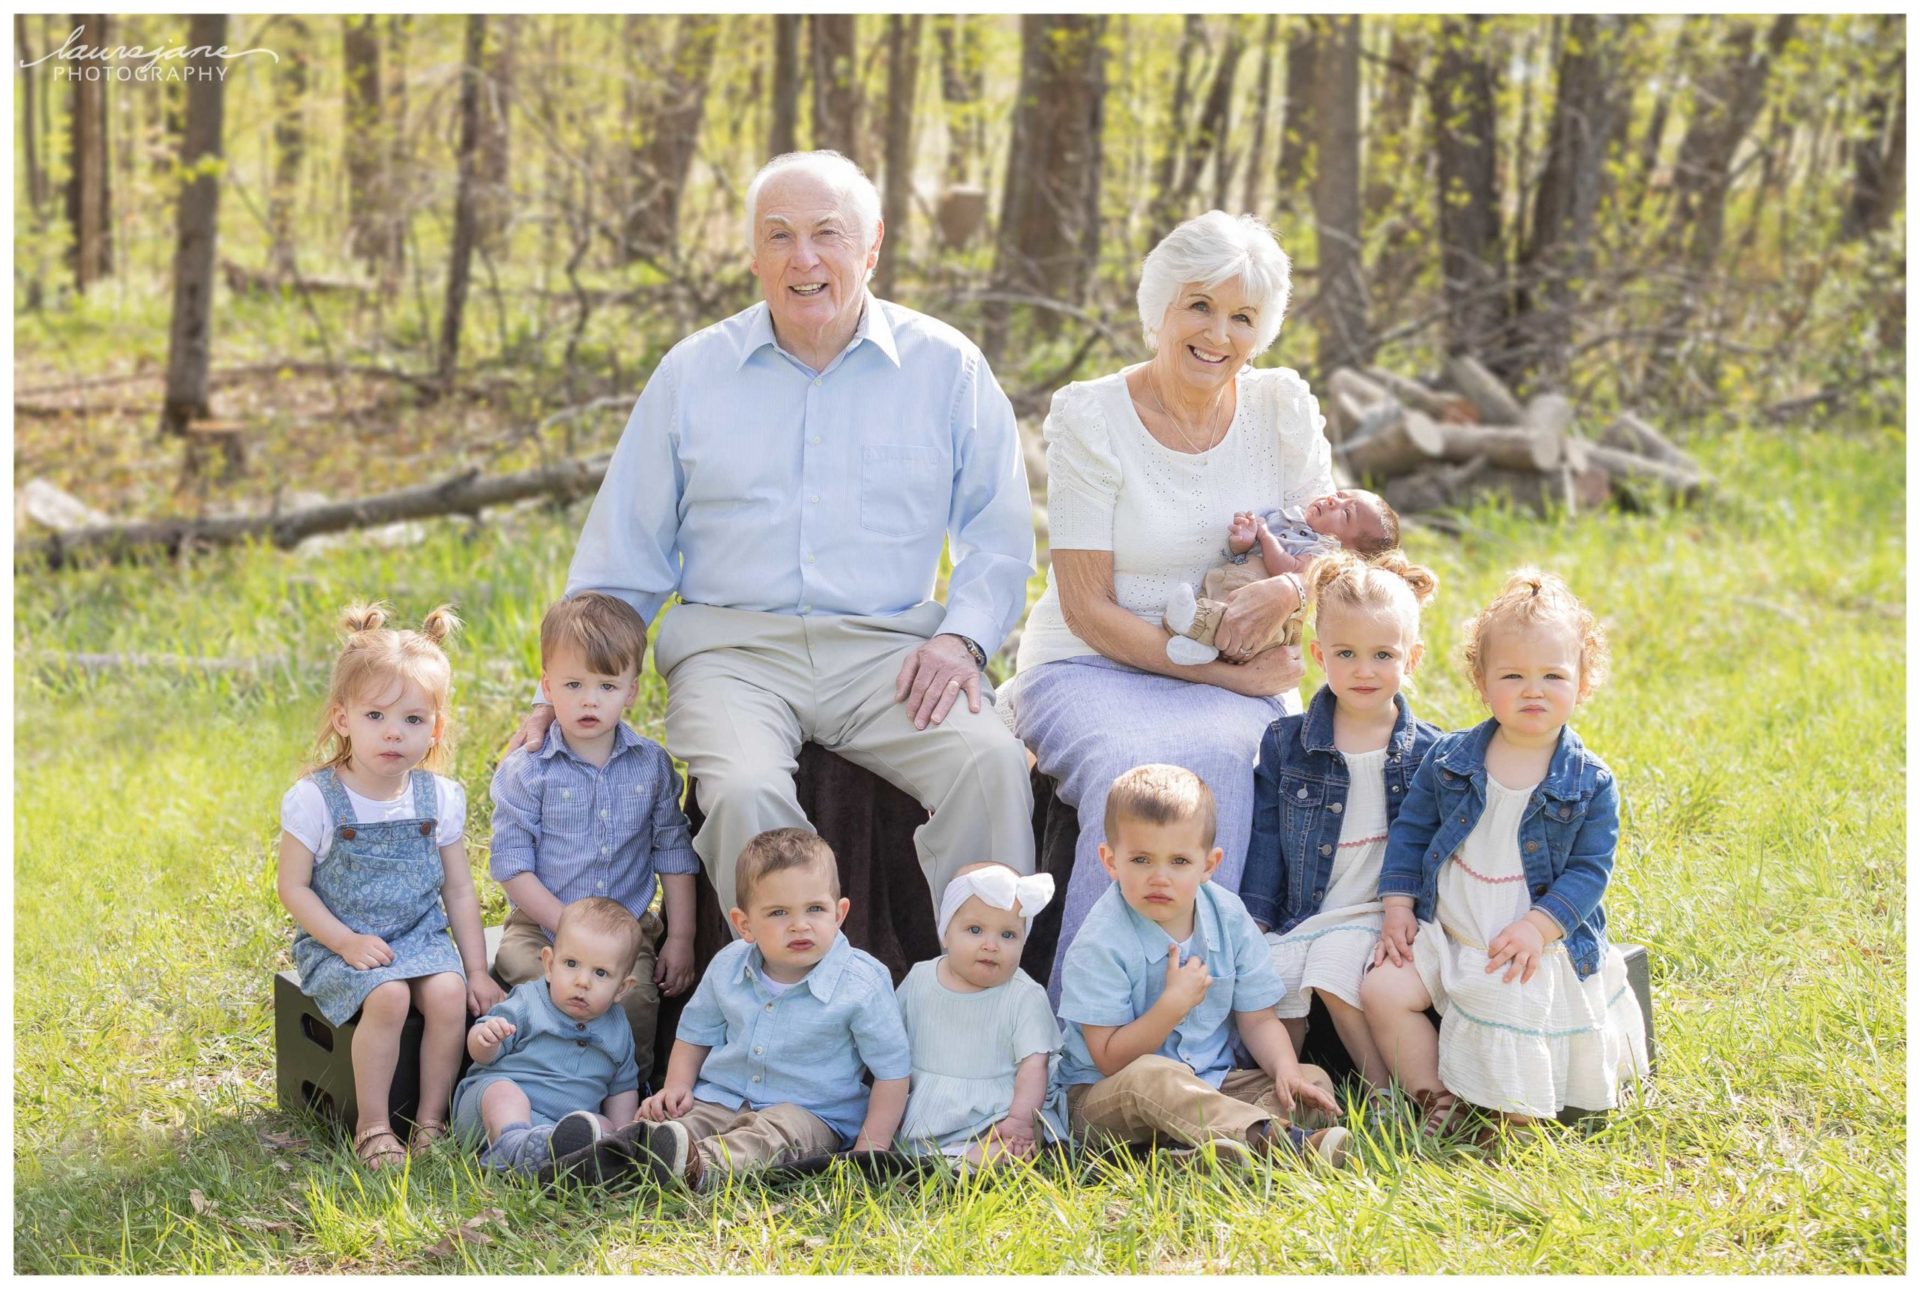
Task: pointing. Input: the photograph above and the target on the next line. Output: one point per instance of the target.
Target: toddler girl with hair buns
(1328, 785)
(1492, 883)
(369, 844)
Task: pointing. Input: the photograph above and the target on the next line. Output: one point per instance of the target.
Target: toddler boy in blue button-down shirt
(1165, 968)
(766, 1067)
(555, 1057)
(594, 812)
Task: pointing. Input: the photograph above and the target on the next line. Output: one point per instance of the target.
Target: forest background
(402, 250)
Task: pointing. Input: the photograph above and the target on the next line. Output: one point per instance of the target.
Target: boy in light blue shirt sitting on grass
(766, 1067)
(1165, 968)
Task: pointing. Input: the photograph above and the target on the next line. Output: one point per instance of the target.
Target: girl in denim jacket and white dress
(1492, 883)
(369, 846)
(1328, 784)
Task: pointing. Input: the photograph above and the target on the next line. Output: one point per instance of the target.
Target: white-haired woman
(1146, 469)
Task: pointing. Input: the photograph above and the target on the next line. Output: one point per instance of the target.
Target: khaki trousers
(1156, 1096)
(1221, 581)
(745, 1141)
(518, 961)
(745, 690)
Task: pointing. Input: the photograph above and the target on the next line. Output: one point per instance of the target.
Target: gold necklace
(1160, 406)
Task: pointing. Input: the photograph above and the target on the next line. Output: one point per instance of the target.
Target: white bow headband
(998, 886)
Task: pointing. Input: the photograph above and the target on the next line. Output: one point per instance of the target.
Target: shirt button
(580, 1042)
(806, 608)
(818, 379)
(758, 1050)
(1335, 806)
(769, 1006)
(606, 814)
(814, 439)
(756, 1078)
(814, 498)
(599, 886)
(603, 850)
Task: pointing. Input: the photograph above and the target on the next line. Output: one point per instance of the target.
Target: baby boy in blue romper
(557, 1050)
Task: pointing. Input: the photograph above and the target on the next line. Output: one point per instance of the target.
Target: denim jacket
(1299, 797)
(1567, 834)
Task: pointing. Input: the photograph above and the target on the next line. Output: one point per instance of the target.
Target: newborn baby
(1287, 541)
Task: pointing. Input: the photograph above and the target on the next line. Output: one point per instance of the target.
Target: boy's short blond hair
(778, 849)
(610, 917)
(603, 628)
(1161, 794)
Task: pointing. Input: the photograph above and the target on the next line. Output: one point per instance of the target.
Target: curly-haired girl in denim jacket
(1492, 883)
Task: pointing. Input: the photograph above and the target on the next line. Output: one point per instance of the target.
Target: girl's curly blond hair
(373, 657)
(1532, 597)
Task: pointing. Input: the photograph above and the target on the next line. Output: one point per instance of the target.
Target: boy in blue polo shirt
(766, 1066)
(1165, 968)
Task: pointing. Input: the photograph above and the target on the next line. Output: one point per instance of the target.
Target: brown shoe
(1440, 1112)
(378, 1148)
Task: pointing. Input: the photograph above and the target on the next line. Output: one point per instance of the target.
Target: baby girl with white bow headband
(982, 1033)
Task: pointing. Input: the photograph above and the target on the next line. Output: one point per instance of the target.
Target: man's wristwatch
(979, 654)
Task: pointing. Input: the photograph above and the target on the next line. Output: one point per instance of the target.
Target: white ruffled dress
(1329, 950)
(1532, 1048)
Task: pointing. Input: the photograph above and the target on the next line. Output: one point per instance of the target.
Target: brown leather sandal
(366, 1144)
(1440, 1112)
(425, 1133)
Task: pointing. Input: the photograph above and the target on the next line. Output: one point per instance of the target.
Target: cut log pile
(1428, 448)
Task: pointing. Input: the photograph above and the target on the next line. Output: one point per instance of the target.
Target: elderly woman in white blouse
(1146, 469)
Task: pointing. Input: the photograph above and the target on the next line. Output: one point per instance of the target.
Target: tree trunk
(195, 232)
(962, 82)
(369, 216)
(1167, 171)
(492, 190)
(1262, 102)
(1296, 128)
(1880, 157)
(661, 165)
(289, 146)
(460, 255)
(1053, 167)
(1468, 213)
(1726, 103)
(836, 85)
(89, 198)
(1210, 133)
(1558, 254)
(1341, 313)
(1390, 150)
(30, 76)
(783, 133)
(903, 79)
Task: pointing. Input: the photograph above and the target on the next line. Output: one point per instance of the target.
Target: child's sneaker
(1328, 1146)
(574, 1132)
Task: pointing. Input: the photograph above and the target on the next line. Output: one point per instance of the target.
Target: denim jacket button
(1396, 787)
(346, 834)
(1533, 846)
(1566, 812)
(1302, 794)
(1335, 807)
(1326, 850)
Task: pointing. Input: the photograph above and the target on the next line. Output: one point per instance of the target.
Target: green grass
(1755, 718)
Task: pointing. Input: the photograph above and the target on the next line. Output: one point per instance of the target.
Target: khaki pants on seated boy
(518, 961)
(1156, 1096)
(745, 1141)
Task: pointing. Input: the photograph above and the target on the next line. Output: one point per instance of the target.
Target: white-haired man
(794, 473)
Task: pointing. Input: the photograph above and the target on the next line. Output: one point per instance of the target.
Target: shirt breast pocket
(903, 490)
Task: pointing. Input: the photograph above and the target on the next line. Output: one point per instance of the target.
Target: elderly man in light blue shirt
(794, 473)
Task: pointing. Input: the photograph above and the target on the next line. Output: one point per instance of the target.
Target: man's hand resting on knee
(933, 676)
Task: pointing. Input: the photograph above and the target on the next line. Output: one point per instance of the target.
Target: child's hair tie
(999, 887)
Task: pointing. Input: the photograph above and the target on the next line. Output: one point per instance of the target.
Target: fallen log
(1414, 439)
(1625, 467)
(1484, 390)
(1439, 405)
(1631, 434)
(1552, 412)
(463, 494)
(1365, 393)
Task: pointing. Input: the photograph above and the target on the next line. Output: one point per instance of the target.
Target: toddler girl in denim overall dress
(369, 845)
